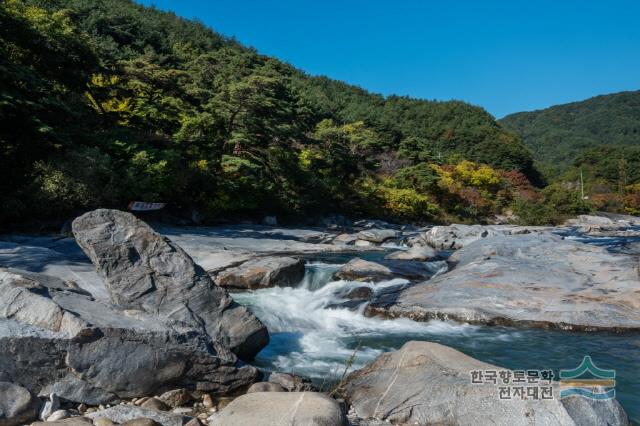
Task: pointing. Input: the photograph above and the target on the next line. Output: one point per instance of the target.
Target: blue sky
(507, 56)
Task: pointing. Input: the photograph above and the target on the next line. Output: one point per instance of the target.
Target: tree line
(104, 102)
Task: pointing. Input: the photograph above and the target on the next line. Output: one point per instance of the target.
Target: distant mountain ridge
(559, 134)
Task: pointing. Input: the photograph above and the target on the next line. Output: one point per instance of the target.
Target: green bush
(421, 177)
(408, 204)
(534, 213)
(565, 201)
(558, 204)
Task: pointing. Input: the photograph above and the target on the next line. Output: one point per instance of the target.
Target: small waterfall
(310, 336)
(317, 274)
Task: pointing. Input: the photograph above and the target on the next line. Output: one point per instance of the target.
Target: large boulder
(420, 253)
(358, 293)
(176, 397)
(148, 272)
(529, 280)
(454, 237)
(55, 338)
(427, 383)
(345, 239)
(585, 411)
(292, 382)
(282, 409)
(377, 236)
(363, 270)
(265, 387)
(263, 272)
(17, 405)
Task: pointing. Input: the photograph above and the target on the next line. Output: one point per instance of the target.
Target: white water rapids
(311, 338)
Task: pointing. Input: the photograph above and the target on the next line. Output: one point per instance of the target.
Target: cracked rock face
(145, 271)
(55, 338)
(527, 280)
(426, 383)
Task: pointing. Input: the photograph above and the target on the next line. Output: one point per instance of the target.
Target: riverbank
(317, 324)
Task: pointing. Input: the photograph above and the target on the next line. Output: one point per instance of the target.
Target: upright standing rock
(55, 340)
(145, 271)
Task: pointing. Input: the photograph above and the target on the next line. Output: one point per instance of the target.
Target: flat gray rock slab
(199, 242)
(604, 220)
(426, 383)
(67, 265)
(530, 280)
(281, 409)
(454, 237)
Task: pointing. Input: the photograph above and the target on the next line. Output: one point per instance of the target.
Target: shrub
(632, 199)
(607, 202)
(534, 213)
(565, 201)
(477, 175)
(408, 204)
(57, 192)
(421, 177)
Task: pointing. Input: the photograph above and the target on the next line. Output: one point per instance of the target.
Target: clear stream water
(312, 339)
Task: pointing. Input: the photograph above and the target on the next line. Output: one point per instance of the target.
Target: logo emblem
(588, 381)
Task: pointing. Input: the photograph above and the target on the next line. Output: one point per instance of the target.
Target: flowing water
(311, 337)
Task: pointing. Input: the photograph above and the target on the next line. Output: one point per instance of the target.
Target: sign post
(141, 206)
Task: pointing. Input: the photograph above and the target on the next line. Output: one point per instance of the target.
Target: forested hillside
(103, 102)
(559, 134)
(598, 137)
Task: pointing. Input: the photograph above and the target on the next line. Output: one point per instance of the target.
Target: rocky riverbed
(125, 324)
